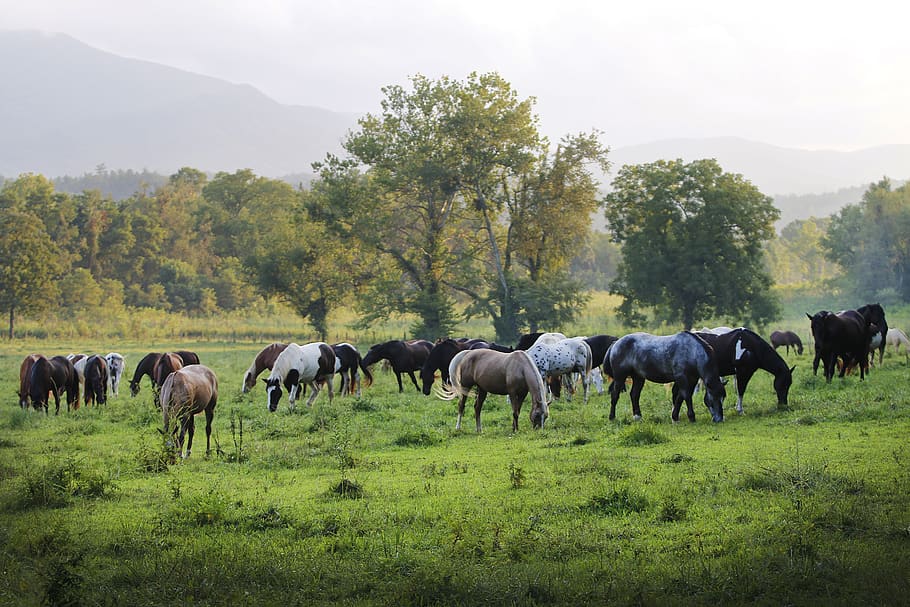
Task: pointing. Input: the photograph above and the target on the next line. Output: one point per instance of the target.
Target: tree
(29, 263)
(691, 238)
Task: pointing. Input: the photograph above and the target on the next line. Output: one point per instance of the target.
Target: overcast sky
(801, 74)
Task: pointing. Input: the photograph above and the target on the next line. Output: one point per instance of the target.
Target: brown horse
(52, 376)
(513, 374)
(25, 371)
(146, 366)
(95, 377)
(264, 360)
(185, 393)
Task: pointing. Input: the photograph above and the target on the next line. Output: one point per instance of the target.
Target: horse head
(272, 392)
(134, 387)
(782, 383)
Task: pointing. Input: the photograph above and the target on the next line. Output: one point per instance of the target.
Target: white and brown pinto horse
(185, 393)
(310, 364)
(683, 359)
(513, 374)
(264, 360)
(557, 357)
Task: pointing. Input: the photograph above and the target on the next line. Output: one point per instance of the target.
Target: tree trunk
(11, 318)
(507, 328)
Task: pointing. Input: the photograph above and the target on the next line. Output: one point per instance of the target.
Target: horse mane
(705, 345)
(538, 382)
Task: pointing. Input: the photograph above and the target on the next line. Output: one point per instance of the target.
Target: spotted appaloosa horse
(564, 357)
(190, 390)
(682, 358)
(495, 372)
(311, 364)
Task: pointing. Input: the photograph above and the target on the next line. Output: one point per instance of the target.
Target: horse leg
(192, 430)
(742, 381)
(614, 389)
(209, 415)
(414, 380)
(461, 402)
(677, 402)
(635, 393)
(478, 405)
(400, 386)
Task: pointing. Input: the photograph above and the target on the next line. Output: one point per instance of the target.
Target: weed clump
(623, 500)
(638, 436)
(418, 438)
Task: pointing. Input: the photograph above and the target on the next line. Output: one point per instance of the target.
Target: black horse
(438, 360)
(741, 353)
(874, 315)
(146, 366)
(844, 335)
(56, 376)
(348, 364)
(527, 340)
(404, 356)
(787, 339)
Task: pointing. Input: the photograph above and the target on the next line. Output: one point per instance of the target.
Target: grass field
(378, 500)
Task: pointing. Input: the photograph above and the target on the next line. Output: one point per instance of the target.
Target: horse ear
(792, 369)
(265, 381)
(809, 316)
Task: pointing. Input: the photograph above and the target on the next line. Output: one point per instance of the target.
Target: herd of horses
(540, 365)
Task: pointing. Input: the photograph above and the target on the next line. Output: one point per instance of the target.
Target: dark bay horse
(189, 390)
(96, 378)
(438, 360)
(404, 356)
(146, 366)
(492, 372)
(741, 353)
(683, 359)
(843, 335)
(787, 339)
(25, 371)
(874, 315)
(264, 360)
(56, 376)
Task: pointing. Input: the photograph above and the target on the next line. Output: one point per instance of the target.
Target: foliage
(691, 239)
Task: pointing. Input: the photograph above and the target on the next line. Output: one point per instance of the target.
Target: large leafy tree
(691, 238)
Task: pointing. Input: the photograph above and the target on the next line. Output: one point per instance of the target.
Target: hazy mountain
(67, 108)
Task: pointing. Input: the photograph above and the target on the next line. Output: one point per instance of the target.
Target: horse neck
(534, 380)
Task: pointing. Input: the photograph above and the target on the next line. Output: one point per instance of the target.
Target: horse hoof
(636, 418)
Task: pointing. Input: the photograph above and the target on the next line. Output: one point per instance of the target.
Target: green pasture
(377, 500)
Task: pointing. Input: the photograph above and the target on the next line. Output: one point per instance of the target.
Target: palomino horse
(787, 339)
(682, 358)
(898, 338)
(264, 360)
(146, 366)
(186, 392)
(56, 376)
(562, 358)
(115, 365)
(404, 356)
(741, 353)
(513, 374)
(307, 364)
(95, 380)
(25, 371)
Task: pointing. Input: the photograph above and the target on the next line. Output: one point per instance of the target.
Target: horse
(896, 338)
(527, 340)
(874, 314)
(438, 360)
(787, 339)
(167, 364)
(78, 361)
(682, 358)
(52, 375)
(845, 335)
(741, 353)
(25, 371)
(405, 357)
(308, 364)
(186, 392)
(348, 364)
(146, 366)
(264, 360)
(96, 375)
(115, 365)
(564, 357)
(513, 374)
(599, 345)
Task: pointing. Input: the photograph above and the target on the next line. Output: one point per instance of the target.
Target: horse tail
(454, 389)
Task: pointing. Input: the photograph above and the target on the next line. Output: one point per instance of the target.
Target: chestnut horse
(264, 360)
(186, 392)
(25, 371)
(55, 375)
(146, 366)
(492, 372)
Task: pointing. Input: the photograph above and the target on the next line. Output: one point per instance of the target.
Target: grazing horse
(787, 339)
(843, 335)
(167, 364)
(896, 338)
(682, 358)
(96, 374)
(741, 353)
(405, 357)
(492, 372)
(564, 357)
(55, 375)
(78, 361)
(115, 365)
(874, 315)
(189, 390)
(146, 366)
(264, 360)
(438, 360)
(599, 345)
(25, 371)
(527, 340)
(348, 364)
(312, 363)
